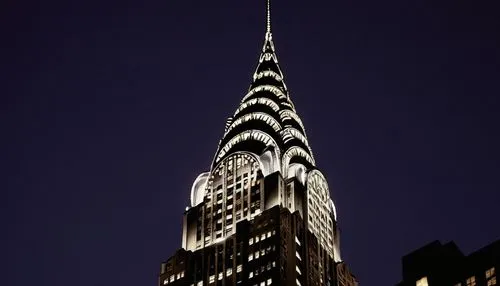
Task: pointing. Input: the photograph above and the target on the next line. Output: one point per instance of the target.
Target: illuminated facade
(262, 214)
(445, 265)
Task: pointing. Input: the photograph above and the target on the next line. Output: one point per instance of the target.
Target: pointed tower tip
(268, 28)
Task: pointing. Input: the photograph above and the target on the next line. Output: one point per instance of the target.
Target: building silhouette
(263, 214)
(444, 264)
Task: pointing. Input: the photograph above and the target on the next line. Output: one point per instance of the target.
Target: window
(299, 258)
(269, 281)
(490, 277)
(297, 240)
(422, 282)
(471, 281)
(490, 272)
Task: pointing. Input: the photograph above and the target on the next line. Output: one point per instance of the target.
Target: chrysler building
(262, 213)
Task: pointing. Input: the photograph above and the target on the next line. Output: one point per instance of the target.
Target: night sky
(110, 109)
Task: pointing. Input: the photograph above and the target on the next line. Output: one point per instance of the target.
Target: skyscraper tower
(262, 214)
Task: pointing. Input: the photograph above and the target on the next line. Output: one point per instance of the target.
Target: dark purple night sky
(110, 109)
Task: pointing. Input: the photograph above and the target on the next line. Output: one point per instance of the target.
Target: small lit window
(471, 281)
(250, 275)
(422, 282)
(250, 257)
(297, 240)
(492, 281)
(239, 268)
(269, 281)
(250, 241)
(490, 272)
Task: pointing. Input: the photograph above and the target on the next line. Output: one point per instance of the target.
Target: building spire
(268, 30)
